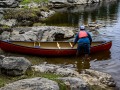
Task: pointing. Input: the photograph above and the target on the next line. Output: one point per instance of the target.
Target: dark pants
(83, 48)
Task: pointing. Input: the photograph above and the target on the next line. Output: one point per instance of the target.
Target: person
(84, 42)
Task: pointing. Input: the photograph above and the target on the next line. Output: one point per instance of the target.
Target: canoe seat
(37, 44)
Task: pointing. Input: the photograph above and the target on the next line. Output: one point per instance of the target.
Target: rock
(1, 13)
(95, 25)
(9, 22)
(75, 83)
(25, 17)
(5, 35)
(63, 3)
(33, 5)
(98, 78)
(22, 32)
(25, 23)
(9, 3)
(87, 80)
(41, 33)
(52, 33)
(14, 65)
(56, 69)
(66, 72)
(37, 83)
(1, 61)
(18, 38)
(46, 14)
(2, 57)
(5, 31)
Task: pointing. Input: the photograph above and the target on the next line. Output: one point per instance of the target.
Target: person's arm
(90, 38)
(75, 41)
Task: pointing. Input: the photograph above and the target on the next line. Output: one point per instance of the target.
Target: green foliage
(53, 77)
(62, 85)
(30, 74)
(30, 1)
(39, 24)
(44, 9)
(2, 82)
(25, 1)
(96, 87)
(22, 14)
(8, 79)
(5, 26)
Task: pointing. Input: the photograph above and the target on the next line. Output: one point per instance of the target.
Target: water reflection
(84, 14)
(78, 62)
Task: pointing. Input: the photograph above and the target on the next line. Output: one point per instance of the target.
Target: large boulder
(64, 70)
(5, 35)
(9, 22)
(9, 3)
(64, 3)
(24, 17)
(97, 78)
(37, 83)
(14, 65)
(75, 83)
(43, 33)
(1, 58)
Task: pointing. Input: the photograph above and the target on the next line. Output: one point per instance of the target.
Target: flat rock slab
(37, 83)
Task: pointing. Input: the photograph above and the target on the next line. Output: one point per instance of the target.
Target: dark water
(107, 14)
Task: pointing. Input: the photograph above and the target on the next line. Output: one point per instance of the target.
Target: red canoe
(49, 48)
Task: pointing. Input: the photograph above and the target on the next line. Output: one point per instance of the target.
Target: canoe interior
(50, 45)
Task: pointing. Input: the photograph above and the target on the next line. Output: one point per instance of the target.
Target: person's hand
(72, 46)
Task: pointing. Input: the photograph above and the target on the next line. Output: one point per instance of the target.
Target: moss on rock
(22, 14)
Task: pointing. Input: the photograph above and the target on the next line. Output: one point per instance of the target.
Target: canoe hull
(9, 47)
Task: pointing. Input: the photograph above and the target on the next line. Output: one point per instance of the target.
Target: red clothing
(83, 34)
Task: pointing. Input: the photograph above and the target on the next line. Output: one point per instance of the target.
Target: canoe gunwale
(16, 48)
(9, 42)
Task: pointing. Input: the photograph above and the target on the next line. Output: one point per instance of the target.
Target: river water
(107, 14)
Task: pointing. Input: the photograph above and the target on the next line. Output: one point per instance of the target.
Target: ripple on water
(109, 66)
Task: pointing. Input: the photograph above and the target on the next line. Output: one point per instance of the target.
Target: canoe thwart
(70, 44)
(58, 45)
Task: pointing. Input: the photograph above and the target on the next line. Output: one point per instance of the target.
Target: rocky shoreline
(86, 80)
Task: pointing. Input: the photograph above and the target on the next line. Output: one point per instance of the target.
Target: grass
(29, 74)
(30, 14)
(30, 1)
(8, 79)
(50, 76)
(39, 24)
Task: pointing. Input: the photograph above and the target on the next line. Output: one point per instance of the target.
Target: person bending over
(84, 42)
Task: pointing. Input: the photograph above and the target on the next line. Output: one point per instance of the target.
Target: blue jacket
(87, 39)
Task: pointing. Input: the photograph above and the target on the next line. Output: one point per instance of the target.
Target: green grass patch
(9, 79)
(39, 24)
(30, 74)
(22, 14)
(30, 1)
(26, 1)
(51, 76)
